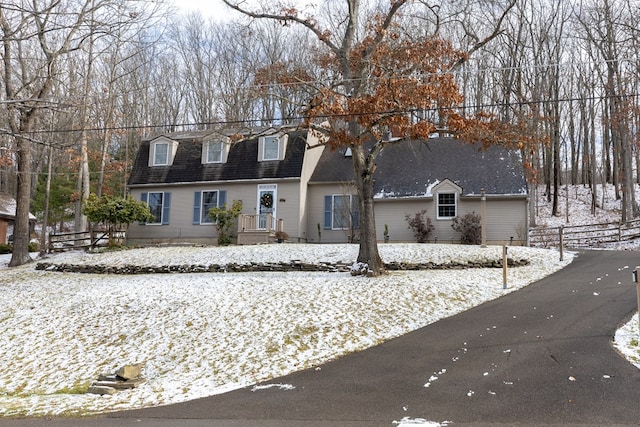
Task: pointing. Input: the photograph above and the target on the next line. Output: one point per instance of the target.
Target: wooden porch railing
(254, 229)
(266, 223)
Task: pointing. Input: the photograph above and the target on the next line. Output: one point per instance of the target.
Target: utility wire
(300, 118)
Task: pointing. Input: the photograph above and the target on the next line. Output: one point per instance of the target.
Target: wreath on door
(266, 200)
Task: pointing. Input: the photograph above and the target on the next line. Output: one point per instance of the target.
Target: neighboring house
(285, 180)
(442, 175)
(8, 216)
(182, 176)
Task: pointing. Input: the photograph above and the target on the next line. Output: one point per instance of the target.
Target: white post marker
(635, 280)
(483, 216)
(504, 266)
(561, 242)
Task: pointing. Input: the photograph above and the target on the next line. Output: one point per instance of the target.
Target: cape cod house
(287, 180)
(182, 176)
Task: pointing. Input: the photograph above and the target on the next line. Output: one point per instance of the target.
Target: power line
(300, 118)
(78, 99)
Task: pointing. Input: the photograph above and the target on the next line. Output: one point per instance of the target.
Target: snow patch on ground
(201, 334)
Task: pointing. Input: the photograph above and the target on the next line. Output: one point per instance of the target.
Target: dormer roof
(242, 161)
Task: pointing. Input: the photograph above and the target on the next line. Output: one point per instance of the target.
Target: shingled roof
(242, 162)
(411, 169)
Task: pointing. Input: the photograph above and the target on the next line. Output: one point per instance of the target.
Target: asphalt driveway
(539, 356)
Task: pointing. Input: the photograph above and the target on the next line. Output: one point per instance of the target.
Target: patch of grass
(18, 391)
(77, 388)
(633, 342)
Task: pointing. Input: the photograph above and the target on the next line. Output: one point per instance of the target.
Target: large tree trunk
(21, 234)
(364, 167)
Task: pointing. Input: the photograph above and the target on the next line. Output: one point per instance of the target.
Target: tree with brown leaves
(380, 80)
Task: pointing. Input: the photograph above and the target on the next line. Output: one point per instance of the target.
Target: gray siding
(181, 227)
(506, 217)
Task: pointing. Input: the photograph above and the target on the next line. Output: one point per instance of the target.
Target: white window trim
(264, 147)
(282, 147)
(155, 149)
(161, 206)
(333, 211)
(172, 147)
(224, 151)
(455, 205)
(202, 208)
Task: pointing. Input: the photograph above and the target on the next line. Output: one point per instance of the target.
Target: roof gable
(413, 168)
(446, 185)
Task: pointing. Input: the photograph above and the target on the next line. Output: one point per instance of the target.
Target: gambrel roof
(241, 164)
(413, 168)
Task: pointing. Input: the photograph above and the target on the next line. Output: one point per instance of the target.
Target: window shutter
(143, 198)
(355, 211)
(196, 207)
(327, 212)
(222, 198)
(166, 208)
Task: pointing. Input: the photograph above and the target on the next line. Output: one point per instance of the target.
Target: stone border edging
(292, 266)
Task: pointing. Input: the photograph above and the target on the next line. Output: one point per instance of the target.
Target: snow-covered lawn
(205, 333)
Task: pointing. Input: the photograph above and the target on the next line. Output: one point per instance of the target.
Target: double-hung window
(209, 201)
(159, 205)
(446, 205)
(203, 202)
(341, 212)
(271, 148)
(214, 152)
(160, 154)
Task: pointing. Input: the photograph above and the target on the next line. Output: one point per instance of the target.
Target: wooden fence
(59, 242)
(584, 236)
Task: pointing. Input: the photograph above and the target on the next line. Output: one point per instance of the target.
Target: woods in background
(84, 80)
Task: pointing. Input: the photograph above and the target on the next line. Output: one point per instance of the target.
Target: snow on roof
(8, 206)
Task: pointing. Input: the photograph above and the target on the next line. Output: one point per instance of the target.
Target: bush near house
(469, 227)
(224, 221)
(6, 248)
(115, 212)
(420, 224)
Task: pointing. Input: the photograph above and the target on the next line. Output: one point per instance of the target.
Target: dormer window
(215, 151)
(162, 150)
(446, 194)
(160, 154)
(272, 147)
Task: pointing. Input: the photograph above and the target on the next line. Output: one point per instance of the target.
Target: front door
(267, 197)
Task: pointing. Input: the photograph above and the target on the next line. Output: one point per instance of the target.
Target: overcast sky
(209, 8)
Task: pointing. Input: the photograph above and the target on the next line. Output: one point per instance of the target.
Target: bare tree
(35, 37)
(606, 27)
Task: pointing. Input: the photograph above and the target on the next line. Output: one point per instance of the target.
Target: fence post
(560, 230)
(619, 231)
(504, 266)
(637, 282)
